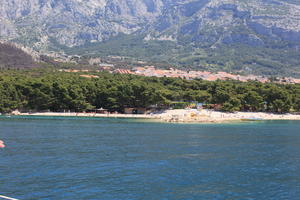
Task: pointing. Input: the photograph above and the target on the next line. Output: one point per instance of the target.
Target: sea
(69, 158)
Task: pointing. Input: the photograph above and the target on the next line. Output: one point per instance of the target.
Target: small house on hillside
(213, 106)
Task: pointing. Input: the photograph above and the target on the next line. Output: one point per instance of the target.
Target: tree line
(48, 89)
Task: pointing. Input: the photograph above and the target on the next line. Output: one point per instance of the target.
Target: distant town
(152, 71)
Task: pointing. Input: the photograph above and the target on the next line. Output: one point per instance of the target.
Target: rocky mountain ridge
(75, 22)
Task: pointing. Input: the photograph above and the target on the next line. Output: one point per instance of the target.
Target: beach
(81, 114)
(180, 115)
(193, 115)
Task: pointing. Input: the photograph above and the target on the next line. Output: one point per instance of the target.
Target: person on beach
(2, 145)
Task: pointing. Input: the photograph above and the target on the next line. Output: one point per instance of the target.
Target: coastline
(193, 115)
(74, 114)
(180, 116)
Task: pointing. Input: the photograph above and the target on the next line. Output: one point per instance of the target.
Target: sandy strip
(193, 115)
(73, 114)
(182, 115)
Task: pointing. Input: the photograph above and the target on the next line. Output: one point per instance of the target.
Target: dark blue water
(118, 159)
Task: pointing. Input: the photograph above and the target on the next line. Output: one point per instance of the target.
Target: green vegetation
(272, 59)
(49, 89)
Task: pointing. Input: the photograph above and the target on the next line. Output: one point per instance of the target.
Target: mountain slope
(13, 57)
(195, 30)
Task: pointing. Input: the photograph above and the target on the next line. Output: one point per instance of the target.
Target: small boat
(2, 145)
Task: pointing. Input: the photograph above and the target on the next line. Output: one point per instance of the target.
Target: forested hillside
(278, 60)
(14, 58)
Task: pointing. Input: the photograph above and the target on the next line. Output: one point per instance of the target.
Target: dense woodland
(48, 89)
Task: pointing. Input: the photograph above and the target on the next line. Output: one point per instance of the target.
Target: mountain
(12, 56)
(253, 36)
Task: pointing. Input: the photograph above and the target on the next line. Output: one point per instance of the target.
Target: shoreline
(179, 116)
(210, 116)
(73, 114)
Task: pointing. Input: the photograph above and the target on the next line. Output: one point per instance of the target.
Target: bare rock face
(202, 22)
(74, 22)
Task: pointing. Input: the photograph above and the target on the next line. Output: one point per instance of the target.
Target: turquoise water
(121, 159)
